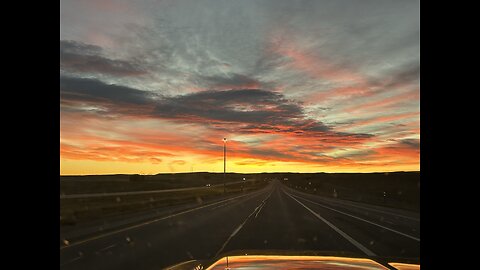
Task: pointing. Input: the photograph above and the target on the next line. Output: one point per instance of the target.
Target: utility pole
(224, 164)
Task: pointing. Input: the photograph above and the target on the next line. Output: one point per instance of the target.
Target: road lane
(381, 241)
(266, 219)
(361, 219)
(406, 222)
(283, 224)
(196, 234)
(215, 205)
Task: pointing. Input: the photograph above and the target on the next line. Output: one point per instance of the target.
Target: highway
(273, 218)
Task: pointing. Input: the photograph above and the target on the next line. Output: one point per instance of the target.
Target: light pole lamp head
(224, 139)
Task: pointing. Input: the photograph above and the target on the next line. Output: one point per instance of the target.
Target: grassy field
(123, 183)
(397, 189)
(77, 210)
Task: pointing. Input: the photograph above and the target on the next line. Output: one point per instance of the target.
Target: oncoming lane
(196, 234)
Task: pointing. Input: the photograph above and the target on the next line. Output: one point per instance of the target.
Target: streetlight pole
(224, 163)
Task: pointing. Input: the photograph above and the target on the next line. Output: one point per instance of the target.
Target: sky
(295, 86)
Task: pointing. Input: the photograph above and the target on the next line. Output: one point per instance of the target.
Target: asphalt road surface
(273, 218)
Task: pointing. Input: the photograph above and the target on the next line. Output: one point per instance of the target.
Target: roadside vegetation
(78, 210)
(397, 189)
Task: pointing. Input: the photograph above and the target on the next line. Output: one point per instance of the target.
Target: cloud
(78, 57)
(237, 111)
(249, 111)
(397, 76)
(178, 162)
(411, 143)
(102, 149)
(95, 91)
(378, 120)
(231, 81)
(242, 105)
(149, 75)
(391, 102)
(249, 162)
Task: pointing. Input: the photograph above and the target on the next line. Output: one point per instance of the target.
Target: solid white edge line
(361, 219)
(346, 236)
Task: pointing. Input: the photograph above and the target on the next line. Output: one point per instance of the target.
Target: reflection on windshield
(295, 262)
(405, 266)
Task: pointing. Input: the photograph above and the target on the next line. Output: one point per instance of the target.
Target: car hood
(282, 260)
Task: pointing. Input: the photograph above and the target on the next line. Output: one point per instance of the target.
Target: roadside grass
(397, 190)
(79, 210)
(124, 183)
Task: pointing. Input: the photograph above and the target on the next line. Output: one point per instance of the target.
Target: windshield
(194, 130)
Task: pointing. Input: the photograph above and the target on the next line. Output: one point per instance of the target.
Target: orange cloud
(303, 60)
(404, 97)
(381, 120)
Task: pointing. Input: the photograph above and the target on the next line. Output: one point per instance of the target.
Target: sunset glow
(150, 88)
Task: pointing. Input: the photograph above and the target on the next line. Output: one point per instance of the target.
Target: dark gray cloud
(95, 91)
(231, 81)
(248, 111)
(255, 109)
(411, 143)
(243, 105)
(270, 153)
(84, 58)
(408, 74)
(400, 75)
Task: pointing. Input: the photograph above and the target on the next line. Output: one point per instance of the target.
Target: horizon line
(237, 173)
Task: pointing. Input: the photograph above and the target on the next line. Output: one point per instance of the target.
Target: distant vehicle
(285, 179)
(207, 185)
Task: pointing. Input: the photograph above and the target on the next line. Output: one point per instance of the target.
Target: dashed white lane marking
(346, 236)
(241, 225)
(364, 220)
(105, 248)
(72, 260)
(263, 204)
